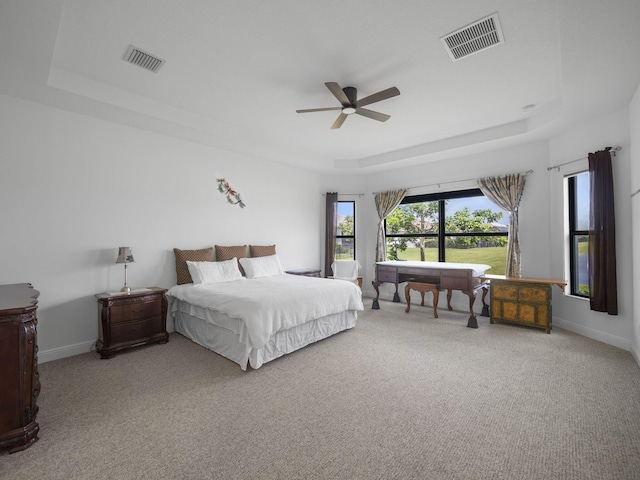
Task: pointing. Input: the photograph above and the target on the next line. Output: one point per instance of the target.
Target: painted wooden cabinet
(524, 301)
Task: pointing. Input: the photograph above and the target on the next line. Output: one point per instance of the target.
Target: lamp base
(126, 289)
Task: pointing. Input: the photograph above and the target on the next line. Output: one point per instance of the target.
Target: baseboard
(45, 356)
(635, 353)
(619, 342)
(67, 351)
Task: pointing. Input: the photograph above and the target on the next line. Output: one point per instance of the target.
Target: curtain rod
(613, 149)
(452, 181)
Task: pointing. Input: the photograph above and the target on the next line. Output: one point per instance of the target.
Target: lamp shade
(125, 255)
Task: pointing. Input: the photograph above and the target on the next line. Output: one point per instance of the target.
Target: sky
(345, 209)
(583, 200)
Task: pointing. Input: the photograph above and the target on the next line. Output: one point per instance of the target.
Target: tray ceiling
(234, 72)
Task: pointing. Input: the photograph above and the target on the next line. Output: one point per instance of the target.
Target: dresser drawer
(135, 311)
(534, 293)
(504, 291)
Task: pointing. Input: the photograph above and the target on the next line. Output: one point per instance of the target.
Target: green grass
(583, 248)
(494, 256)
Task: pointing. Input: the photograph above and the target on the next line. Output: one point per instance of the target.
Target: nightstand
(128, 320)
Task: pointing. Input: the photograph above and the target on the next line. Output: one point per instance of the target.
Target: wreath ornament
(233, 197)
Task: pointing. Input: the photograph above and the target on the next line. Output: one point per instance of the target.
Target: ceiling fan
(347, 97)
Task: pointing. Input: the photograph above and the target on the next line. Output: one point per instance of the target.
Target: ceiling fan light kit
(348, 98)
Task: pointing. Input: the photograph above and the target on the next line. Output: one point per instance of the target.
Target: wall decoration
(233, 197)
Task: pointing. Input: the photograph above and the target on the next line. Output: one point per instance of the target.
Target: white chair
(347, 270)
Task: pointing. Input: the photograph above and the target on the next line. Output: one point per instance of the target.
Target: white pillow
(206, 273)
(262, 266)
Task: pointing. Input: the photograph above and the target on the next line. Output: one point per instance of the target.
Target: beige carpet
(400, 396)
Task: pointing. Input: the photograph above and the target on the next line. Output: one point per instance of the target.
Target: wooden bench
(422, 288)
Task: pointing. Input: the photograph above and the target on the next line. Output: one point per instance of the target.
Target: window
(578, 203)
(462, 226)
(345, 231)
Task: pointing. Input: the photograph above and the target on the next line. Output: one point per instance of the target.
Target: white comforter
(270, 304)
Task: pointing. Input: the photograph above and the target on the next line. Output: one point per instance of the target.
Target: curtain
(330, 232)
(603, 288)
(506, 192)
(386, 202)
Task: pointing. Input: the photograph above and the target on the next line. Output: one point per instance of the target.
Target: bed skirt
(192, 322)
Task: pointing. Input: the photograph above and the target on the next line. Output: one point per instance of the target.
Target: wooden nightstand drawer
(134, 331)
(131, 319)
(135, 311)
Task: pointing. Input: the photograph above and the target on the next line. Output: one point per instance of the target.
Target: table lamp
(125, 256)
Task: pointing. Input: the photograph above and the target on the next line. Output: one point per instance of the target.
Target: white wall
(573, 313)
(74, 188)
(634, 152)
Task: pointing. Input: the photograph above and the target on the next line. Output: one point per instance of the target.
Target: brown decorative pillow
(182, 272)
(227, 253)
(262, 250)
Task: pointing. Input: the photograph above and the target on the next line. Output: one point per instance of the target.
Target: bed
(251, 312)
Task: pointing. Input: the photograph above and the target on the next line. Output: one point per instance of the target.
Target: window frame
(353, 237)
(441, 235)
(573, 232)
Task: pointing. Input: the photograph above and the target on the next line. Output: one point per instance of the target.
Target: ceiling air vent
(142, 59)
(473, 38)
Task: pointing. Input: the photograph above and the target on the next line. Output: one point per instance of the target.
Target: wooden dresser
(19, 382)
(130, 319)
(525, 301)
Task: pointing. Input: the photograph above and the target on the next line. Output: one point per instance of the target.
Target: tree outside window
(345, 231)
(462, 226)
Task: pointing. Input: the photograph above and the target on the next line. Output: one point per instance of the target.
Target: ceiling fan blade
(377, 97)
(339, 121)
(381, 117)
(318, 109)
(338, 93)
